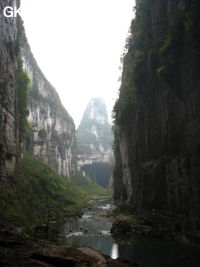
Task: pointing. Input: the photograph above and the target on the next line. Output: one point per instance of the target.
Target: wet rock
(121, 227)
(16, 250)
(52, 222)
(19, 230)
(44, 228)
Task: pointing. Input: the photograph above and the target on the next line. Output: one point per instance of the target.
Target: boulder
(121, 227)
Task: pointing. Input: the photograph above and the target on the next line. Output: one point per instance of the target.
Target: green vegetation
(51, 100)
(37, 194)
(122, 209)
(162, 54)
(134, 64)
(100, 172)
(154, 53)
(22, 86)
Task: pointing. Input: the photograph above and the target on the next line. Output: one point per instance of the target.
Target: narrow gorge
(118, 194)
(39, 180)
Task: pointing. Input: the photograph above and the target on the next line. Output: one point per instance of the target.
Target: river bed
(90, 230)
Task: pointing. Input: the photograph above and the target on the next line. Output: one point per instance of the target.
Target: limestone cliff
(9, 132)
(94, 142)
(157, 133)
(52, 129)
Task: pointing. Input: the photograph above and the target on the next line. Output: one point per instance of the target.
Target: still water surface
(89, 230)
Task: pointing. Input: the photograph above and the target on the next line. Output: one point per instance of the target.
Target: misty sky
(78, 45)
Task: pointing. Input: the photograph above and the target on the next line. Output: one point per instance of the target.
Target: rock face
(94, 142)
(157, 135)
(52, 134)
(9, 135)
(18, 250)
(53, 131)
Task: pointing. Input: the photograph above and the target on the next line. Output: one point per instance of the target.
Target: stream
(90, 230)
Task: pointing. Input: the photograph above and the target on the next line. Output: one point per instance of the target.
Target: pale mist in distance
(78, 45)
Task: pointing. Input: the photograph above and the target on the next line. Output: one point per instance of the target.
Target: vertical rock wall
(8, 96)
(158, 113)
(52, 129)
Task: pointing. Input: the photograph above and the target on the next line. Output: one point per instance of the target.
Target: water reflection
(95, 233)
(115, 251)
